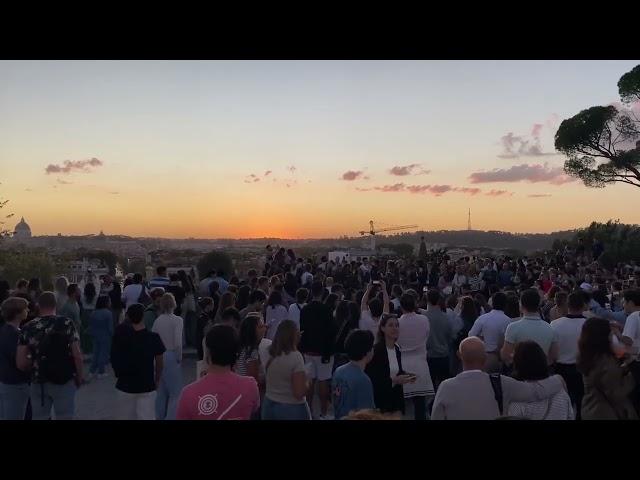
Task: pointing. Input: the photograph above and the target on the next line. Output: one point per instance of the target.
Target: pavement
(96, 400)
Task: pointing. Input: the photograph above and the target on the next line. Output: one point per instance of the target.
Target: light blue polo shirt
(531, 327)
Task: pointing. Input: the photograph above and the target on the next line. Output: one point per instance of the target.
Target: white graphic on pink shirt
(207, 404)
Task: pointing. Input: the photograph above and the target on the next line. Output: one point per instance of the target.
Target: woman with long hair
(60, 288)
(286, 377)
(252, 330)
(385, 368)
(530, 365)
(169, 326)
(101, 331)
(88, 303)
(228, 299)
(468, 313)
(607, 385)
(243, 297)
(275, 313)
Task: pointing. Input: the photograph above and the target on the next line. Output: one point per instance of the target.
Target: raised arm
(516, 391)
(364, 306)
(385, 297)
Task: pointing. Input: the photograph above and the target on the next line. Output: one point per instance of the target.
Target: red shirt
(546, 285)
(219, 396)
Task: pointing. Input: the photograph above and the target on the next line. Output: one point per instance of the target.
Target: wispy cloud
(292, 168)
(114, 193)
(498, 193)
(539, 195)
(413, 169)
(251, 178)
(28, 190)
(70, 166)
(63, 182)
(352, 175)
(267, 173)
(535, 173)
(436, 190)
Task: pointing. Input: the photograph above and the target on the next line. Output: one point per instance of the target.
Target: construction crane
(372, 232)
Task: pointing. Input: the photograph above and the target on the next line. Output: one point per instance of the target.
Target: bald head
(472, 353)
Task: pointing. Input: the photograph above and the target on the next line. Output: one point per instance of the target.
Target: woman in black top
(385, 368)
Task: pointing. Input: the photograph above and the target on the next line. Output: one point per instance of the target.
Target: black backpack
(54, 357)
(144, 298)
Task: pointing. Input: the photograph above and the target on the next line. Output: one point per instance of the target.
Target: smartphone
(375, 282)
(425, 289)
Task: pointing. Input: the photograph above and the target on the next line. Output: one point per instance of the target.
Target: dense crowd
(553, 337)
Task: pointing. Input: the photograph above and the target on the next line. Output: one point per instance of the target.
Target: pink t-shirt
(221, 396)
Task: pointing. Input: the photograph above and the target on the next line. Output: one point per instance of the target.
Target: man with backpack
(49, 347)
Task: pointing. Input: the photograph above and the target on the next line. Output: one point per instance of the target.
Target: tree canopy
(215, 260)
(629, 86)
(602, 144)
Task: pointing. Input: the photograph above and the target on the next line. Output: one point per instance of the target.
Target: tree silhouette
(603, 143)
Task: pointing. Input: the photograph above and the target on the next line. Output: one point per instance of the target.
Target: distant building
(22, 230)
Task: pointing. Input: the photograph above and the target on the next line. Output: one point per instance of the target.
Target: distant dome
(22, 230)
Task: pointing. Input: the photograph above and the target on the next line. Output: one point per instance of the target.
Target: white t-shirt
(368, 323)
(567, 332)
(394, 368)
(273, 318)
(306, 278)
(396, 304)
(294, 312)
(131, 293)
(632, 330)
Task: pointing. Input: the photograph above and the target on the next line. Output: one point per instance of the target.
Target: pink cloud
(498, 193)
(251, 178)
(70, 166)
(292, 168)
(402, 171)
(530, 173)
(470, 191)
(436, 190)
(267, 173)
(536, 129)
(539, 195)
(352, 175)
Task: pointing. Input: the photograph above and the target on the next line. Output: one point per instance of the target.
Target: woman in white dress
(414, 332)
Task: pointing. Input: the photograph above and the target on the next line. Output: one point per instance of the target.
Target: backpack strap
(496, 384)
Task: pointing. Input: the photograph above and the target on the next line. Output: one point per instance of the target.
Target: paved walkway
(96, 400)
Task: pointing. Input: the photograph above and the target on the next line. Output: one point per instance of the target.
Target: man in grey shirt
(440, 338)
(471, 396)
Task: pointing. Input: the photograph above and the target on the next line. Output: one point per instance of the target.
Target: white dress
(414, 332)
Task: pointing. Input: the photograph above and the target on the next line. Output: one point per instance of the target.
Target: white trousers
(136, 406)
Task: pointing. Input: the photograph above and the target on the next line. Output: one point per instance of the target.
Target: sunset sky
(298, 148)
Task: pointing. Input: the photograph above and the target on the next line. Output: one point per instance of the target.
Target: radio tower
(469, 221)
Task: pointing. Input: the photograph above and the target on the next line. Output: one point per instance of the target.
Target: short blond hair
(167, 303)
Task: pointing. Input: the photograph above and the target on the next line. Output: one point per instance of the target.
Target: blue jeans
(61, 397)
(100, 357)
(284, 411)
(169, 388)
(13, 401)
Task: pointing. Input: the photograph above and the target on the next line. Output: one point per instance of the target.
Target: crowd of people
(551, 337)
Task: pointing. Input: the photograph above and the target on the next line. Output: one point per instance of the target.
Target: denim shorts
(284, 411)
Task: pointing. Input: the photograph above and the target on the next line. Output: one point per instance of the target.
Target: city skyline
(297, 149)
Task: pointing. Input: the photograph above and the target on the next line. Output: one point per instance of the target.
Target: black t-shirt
(133, 355)
(9, 373)
(316, 323)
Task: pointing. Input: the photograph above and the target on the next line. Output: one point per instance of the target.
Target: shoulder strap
(496, 384)
(546, 413)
